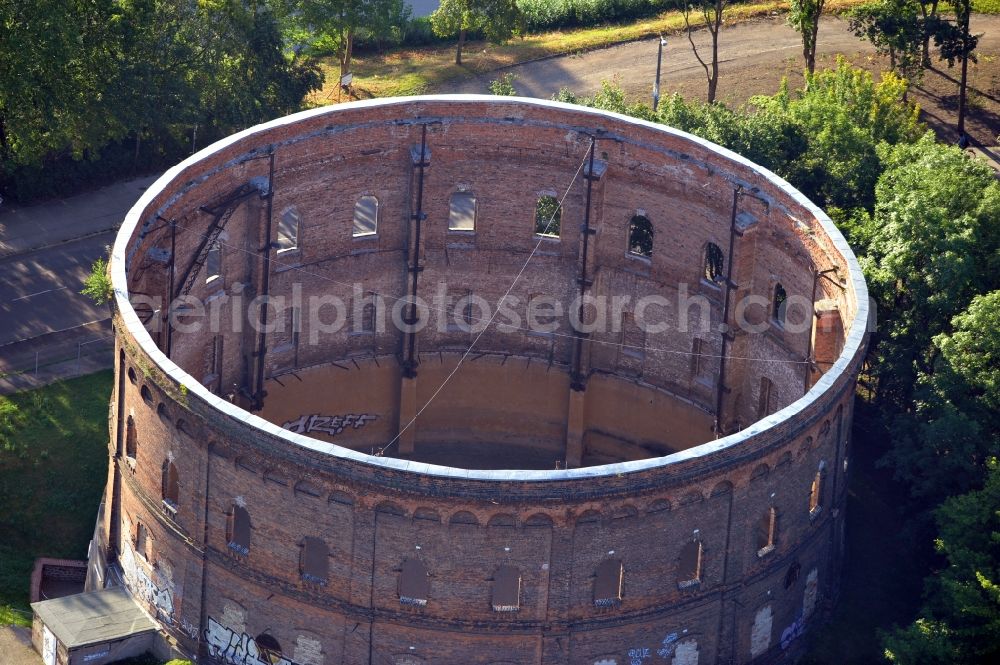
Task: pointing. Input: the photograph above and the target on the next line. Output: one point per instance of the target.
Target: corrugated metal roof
(94, 617)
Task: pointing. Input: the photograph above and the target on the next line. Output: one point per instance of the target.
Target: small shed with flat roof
(92, 628)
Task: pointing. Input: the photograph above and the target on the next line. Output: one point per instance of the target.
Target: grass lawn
(887, 559)
(53, 466)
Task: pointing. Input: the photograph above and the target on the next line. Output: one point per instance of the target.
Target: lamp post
(656, 83)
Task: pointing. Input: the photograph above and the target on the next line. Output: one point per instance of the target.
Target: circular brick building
(479, 380)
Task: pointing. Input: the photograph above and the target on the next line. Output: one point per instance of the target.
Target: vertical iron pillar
(727, 336)
(577, 380)
(410, 362)
(170, 287)
(258, 398)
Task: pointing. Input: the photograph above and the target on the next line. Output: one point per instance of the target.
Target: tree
(336, 23)
(895, 29)
(711, 16)
(955, 42)
(497, 20)
(928, 247)
(804, 15)
(961, 616)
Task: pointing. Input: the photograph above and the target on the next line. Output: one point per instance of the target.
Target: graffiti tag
(668, 645)
(793, 632)
(331, 425)
(145, 587)
(636, 656)
(240, 649)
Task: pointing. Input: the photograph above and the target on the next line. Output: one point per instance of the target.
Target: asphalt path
(40, 290)
(753, 56)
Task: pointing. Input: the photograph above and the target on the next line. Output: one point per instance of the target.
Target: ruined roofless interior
(722, 331)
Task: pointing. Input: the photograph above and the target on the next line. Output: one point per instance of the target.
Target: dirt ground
(15, 647)
(754, 56)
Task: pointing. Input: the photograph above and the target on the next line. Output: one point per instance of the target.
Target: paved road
(46, 252)
(755, 54)
(40, 291)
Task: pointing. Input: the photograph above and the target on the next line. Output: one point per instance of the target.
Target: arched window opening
(171, 485)
(548, 215)
(714, 263)
(365, 217)
(414, 583)
(779, 303)
(816, 493)
(239, 530)
(507, 589)
(640, 236)
(213, 262)
(462, 215)
(314, 563)
(269, 649)
(689, 566)
(368, 317)
(792, 576)
(608, 583)
(131, 444)
(288, 231)
(142, 541)
(764, 532)
(764, 397)
(147, 395)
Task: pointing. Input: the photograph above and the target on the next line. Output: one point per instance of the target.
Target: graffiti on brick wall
(330, 425)
(636, 656)
(793, 632)
(153, 588)
(668, 645)
(238, 648)
(809, 595)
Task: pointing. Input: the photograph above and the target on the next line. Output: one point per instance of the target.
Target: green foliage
(131, 83)
(928, 246)
(896, 29)
(961, 618)
(496, 20)
(57, 432)
(504, 85)
(543, 14)
(97, 286)
(942, 444)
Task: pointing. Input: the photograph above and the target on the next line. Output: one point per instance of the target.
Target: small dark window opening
(764, 531)
(171, 485)
(147, 396)
(689, 568)
(792, 576)
(714, 263)
(779, 304)
(548, 215)
(314, 565)
(764, 397)
(268, 648)
(414, 583)
(368, 317)
(130, 439)
(608, 583)
(142, 540)
(239, 531)
(816, 493)
(213, 261)
(131, 375)
(640, 237)
(507, 589)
